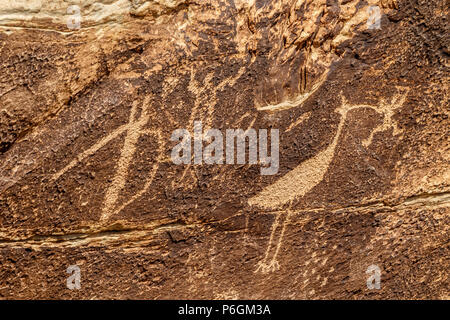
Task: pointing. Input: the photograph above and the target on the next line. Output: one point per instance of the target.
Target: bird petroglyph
(299, 181)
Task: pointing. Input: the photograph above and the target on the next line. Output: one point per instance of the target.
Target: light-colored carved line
(80, 157)
(388, 113)
(263, 265)
(306, 176)
(128, 150)
(300, 120)
(151, 176)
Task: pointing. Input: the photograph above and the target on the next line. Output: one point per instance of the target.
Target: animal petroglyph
(204, 104)
(289, 87)
(299, 181)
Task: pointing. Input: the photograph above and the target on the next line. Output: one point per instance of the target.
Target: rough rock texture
(86, 177)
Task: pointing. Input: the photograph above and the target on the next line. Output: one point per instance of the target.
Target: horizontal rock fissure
(429, 200)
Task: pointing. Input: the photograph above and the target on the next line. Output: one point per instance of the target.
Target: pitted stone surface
(86, 178)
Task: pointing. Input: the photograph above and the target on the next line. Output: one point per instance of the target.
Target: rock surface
(86, 178)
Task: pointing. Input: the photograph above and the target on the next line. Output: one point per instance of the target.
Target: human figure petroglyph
(129, 147)
(299, 181)
(134, 129)
(205, 100)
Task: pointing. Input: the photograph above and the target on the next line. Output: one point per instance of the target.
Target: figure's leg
(274, 262)
(263, 265)
(270, 263)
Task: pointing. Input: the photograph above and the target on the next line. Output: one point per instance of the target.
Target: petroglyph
(317, 52)
(300, 120)
(299, 181)
(134, 129)
(129, 147)
(86, 175)
(387, 109)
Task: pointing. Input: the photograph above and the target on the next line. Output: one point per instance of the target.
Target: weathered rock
(87, 179)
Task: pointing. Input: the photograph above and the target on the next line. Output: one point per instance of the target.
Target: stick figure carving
(134, 129)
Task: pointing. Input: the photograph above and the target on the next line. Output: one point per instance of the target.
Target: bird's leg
(270, 262)
(274, 262)
(263, 265)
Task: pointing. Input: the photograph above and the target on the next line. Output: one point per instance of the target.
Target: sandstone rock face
(92, 91)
